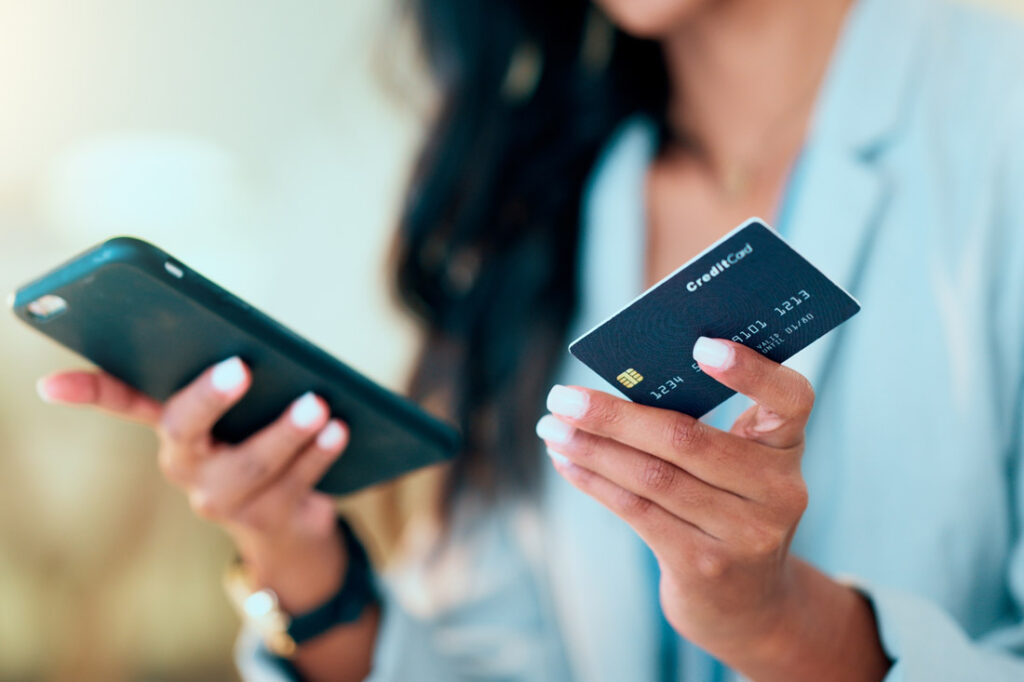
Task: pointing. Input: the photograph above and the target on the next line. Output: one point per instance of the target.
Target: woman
(886, 138)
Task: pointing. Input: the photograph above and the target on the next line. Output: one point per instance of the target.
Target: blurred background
(266, 144)
(260, 143)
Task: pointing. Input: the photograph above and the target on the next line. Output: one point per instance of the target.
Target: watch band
(282, 632)
(348, 603)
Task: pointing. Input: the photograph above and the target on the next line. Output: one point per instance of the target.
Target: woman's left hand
(718, 509)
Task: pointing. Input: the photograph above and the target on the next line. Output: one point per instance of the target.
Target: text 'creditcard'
(750, 286)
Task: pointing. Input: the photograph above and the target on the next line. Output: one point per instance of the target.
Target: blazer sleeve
(923, 641)
(472, 611)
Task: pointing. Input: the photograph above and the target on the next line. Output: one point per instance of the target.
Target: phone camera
(47, 307)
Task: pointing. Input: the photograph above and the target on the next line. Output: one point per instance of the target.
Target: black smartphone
(152, 322)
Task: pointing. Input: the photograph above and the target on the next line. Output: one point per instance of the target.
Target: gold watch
(283, 632)
(261, 609)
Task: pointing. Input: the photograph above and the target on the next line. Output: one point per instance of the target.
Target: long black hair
(486, 249)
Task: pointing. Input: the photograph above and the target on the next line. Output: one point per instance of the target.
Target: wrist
(303, 571)
(790, 617)
(818, 629)
(290, 626)
(766, 634)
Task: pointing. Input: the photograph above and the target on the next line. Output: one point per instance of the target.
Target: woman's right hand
(261, 490)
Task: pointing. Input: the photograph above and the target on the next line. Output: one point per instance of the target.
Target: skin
(721, 525)
(260, 491)
(718, 509)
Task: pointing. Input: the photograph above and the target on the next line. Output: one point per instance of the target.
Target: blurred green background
(259, 143)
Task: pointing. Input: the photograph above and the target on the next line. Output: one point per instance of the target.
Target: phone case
(152, 322)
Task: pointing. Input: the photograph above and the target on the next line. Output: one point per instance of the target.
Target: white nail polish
(767, 421)
(41, 390)
(567, 402)
(551, 429)
(306, 410)
(330, 436)
(558, 457)
(712, 353)
(228, 375)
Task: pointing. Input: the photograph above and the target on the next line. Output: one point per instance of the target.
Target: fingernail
(558, 457)
(306, 410)
(41, 390)
(766, 421)
(713, 353)
(567, 402)
(228, 375)
(551, 429)
(330, 436)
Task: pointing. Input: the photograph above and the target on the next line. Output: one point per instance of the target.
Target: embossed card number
(750, 286)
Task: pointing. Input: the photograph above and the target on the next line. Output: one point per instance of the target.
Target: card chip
(630, 378)
(750, 286)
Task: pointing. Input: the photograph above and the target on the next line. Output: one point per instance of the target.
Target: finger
(784, 397)
(670, 537)
(313, 462)
(250, 466)
(191, 412)
(743, 426)
(294, 487)
(715, 511)
(316, 514)
(99, 390)
(722, 459)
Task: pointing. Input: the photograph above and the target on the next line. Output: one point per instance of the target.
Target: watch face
(281, 632)
(261, 610)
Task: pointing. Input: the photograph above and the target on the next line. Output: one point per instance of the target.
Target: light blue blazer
(913, 199)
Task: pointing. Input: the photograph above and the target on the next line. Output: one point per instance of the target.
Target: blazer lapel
(833, 227)
(595, 567)
(840, 206)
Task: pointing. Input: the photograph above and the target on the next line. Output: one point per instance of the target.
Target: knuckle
(583, 444)
(256, 518)
(207, 506)
(657, 474)
(172, 466)
(711, 562)
(788, 491)
(765, 539)
(807, 390)
(171, 429)
(322, 515)
(251, 467)
(803, 396)
(308, 470)
(633, 505)
(685, 433)
(607, 411)
(798, 497)
(691, 493)
(585, 479)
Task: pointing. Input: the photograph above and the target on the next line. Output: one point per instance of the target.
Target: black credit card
(749, 286)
